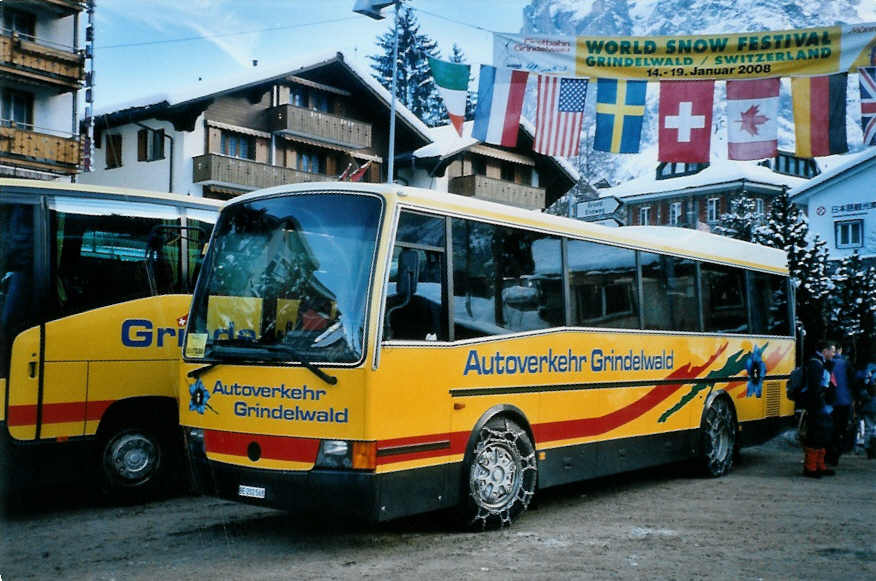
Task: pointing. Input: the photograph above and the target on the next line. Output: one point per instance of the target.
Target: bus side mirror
(408, 273)
(406, 286)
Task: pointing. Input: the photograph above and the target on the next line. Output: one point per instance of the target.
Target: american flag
(867, 76)
(559, 114)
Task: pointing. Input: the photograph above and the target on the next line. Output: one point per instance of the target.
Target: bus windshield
(286, 279)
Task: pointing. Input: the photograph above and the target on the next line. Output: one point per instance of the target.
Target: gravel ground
(763, 521)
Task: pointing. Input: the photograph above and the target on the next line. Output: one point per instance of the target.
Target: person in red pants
(817, 402)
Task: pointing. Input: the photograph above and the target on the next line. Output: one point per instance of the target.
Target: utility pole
(372, 9)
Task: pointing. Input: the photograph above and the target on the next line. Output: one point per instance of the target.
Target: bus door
(20, 335)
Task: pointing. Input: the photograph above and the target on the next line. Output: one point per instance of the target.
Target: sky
(162, 47)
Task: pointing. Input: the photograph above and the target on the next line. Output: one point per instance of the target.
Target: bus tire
(499, 477)
(134, 463)
(718, 438)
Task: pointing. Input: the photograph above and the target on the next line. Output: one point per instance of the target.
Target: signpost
(600, 209)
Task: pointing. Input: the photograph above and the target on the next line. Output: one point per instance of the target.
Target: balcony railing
(39, 151)
(246, 173)
(61, 69)
(494, 190)
(319, 125)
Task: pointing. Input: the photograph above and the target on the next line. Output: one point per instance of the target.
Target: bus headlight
(342, 454)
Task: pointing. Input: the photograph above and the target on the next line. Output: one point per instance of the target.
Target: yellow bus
(94, 285)
(380, 351)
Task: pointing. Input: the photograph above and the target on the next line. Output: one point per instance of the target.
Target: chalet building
(694, 195)
(41, 71)
(463, 165)
(307, 123)
(841, 206)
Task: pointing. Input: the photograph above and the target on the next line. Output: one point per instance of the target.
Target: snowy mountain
(672, 17)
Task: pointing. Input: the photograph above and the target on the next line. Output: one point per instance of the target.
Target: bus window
(422, 315)
(769, 303)
(504, 280)
(603, 285)
(669, 289)
(16, 275)
(99, 255)
(723, 289)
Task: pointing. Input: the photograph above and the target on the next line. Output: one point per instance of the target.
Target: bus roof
(666, 239)
(61, 187)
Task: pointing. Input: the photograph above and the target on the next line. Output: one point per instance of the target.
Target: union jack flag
(867, 76)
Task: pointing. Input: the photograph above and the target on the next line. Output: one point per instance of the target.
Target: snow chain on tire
(501, 475)
(719, 438)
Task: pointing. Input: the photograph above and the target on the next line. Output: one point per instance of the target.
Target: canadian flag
(752, 108)
(685, 120)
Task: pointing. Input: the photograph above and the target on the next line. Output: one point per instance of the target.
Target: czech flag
(500, 100)
(819, 115)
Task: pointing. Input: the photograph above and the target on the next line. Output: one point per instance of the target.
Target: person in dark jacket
(819, 432)
(842, 408)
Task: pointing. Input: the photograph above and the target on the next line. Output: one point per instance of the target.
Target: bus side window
(505, 280)
(669, 289)
(417, 312)
(724, 308)
(16, 275)
(99, 258)
(604, 286)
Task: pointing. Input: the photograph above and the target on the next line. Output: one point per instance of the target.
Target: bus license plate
(251, 491)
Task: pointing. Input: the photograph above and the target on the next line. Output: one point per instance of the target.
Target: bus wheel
(501, 475)
(718, 432)
(133, 463)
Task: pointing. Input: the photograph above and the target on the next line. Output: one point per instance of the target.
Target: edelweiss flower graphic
(200, 395)
(756, 371)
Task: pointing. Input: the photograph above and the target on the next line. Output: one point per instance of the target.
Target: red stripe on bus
(58, 413)
(272, 447)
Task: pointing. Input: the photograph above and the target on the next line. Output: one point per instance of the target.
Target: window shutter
(142, 144)
(158, 144)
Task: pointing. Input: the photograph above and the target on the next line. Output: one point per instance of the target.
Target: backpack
(796, 384)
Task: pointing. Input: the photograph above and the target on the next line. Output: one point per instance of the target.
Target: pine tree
(457, 56)
(415, 86)
(852, 304)
(742, 220)
(844, 312)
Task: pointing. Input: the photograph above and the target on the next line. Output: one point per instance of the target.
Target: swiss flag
(685, 120)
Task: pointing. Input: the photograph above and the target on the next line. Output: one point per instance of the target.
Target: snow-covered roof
(446, 142)
(257, 76)
(803, 191)
(718, 172)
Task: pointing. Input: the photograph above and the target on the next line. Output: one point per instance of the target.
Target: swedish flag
(620, 110)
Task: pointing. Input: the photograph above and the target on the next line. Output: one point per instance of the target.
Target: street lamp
(372, 9)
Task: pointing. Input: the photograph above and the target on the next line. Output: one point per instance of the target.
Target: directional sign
(597, 209)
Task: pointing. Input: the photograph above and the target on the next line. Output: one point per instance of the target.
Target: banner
(787, 53)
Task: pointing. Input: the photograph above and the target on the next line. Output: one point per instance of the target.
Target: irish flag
(452, 82)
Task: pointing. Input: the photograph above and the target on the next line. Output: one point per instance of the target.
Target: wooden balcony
(495, 190)
(247, 174)
(47, 66)
(319, 125)
(39, 151)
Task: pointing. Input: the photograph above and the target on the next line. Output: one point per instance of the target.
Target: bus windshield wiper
(329, 379)
(242, 351)
(196, 373)
(232, 349)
